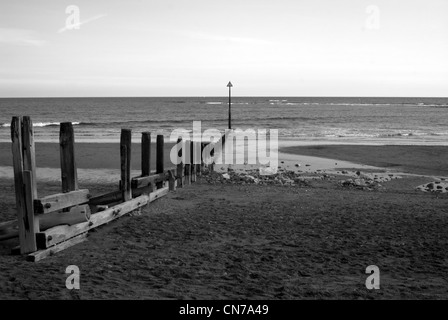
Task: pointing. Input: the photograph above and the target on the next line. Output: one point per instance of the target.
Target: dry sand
(214, 240)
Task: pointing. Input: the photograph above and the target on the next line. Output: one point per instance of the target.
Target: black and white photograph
(224, 155)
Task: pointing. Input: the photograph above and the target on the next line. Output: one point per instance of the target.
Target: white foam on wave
(41, 124)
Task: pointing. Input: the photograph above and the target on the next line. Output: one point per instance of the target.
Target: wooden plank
(140, 182)
(9, 230)
(125, 156)
(110, 197)
(41, 254)
(61, 233)
(68, 161)
(12, 224)
(76, 215)
(158, 194)
(60, 201)
(159, 158)
(28, 149)
(146, 154)
(116, 196)
(9, 235)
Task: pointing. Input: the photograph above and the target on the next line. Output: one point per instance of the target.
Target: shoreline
(414, 159)
(88, 155)
(423, 160)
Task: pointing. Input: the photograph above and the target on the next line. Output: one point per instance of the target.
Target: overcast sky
(194, 47)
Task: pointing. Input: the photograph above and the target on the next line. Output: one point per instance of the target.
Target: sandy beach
(88, 155)
(333, 120)
(429, 160)
(230, 239)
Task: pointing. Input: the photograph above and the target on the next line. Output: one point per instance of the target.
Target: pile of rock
(361, 183)
(436, 186)
(287, 178)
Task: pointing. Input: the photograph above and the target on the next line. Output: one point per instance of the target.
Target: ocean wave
(233, 103)
(297, 103)
(41, 124)
(247, 121)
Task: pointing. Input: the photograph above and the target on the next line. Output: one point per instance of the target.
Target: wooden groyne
(53, 223)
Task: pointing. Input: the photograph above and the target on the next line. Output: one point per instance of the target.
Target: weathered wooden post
(29, 153)
(203, 144)
(24, 188)
(146, 154)
(197, 158)
(125, 158)
(192, 162)
(180, 166)
(67, 154)
(187, 151)
(172, 179)
(159, 159)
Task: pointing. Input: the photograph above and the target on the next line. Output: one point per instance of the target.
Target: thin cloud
(21, 37)
(242, 40)
(82, 22)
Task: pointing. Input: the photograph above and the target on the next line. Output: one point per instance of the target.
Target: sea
(301, 120)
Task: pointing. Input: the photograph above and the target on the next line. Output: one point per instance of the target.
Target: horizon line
(224, 96)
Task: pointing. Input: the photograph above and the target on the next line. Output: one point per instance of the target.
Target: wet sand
(88, 155)
(431, 160)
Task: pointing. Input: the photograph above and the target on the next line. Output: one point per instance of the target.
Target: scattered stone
(307, 165)
(358, 173)
(361, 183)
(436, 186)
(286, 178)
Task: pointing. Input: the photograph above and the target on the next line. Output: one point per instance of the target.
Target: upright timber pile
(53, 223)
